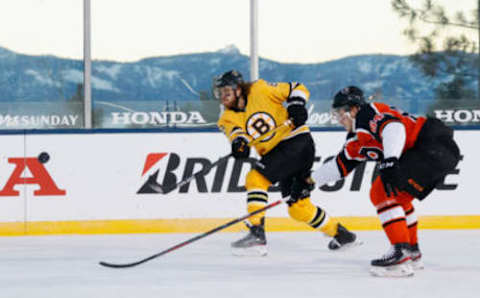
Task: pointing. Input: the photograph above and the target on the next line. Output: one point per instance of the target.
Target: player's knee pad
(300, 190)
(255, 180)
(302, 210)
(377, 192)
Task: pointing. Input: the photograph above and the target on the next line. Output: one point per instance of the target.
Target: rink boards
(97, 183)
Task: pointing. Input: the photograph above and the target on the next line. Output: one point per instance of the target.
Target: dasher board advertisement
(104, 176)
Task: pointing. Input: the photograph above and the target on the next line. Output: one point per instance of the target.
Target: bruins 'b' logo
(260, 123)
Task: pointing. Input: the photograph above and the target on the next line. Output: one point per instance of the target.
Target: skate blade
(253, 251)
(348, 245)
(401, 270)
(418, 265)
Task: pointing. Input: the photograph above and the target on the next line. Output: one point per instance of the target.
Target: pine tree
(458, 57)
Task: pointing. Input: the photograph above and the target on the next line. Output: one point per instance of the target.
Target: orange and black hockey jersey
(365, 142)
(264, 111)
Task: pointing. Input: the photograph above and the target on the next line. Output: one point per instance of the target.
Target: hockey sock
(412, 225)
(256, 200)
(412, 230)
(394, 224)
(257, 196)
(329, 226)
(304, 211)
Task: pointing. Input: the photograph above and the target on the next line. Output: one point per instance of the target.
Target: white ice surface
(298, 265)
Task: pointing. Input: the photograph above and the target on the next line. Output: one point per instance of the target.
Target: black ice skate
(416, 256)
(253, 244)
(344, 238)
(395, 263)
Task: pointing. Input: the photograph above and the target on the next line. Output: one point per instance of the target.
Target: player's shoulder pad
(259, 82)
(258, 85)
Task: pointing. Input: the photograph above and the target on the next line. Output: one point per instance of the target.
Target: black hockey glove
(297, 111)
(390, 174)
(240, 148)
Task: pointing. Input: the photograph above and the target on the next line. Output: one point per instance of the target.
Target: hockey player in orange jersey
(413, 155)
(253, 109)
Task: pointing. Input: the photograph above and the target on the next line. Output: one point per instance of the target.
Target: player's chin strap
(165, 189)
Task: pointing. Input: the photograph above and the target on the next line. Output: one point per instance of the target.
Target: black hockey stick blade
(186, 242)
(168, 188)
(155, 186)
(110, 265)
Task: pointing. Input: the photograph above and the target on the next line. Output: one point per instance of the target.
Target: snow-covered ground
(298, 265)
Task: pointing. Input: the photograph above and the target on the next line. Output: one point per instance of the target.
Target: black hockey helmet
(348, 97)
(230, 78)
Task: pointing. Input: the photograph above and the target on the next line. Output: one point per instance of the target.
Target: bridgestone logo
(231, 177)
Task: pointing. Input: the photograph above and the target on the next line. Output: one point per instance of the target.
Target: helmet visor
(220, 86)
(223, 91)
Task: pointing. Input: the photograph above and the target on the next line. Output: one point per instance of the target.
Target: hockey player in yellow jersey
(253, 109)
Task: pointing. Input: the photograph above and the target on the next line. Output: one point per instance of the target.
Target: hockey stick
(167, 189)
(191, 240)
(224, 226)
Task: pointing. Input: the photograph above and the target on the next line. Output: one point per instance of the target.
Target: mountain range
(185, 77)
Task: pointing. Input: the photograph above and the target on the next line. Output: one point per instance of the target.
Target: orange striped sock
(412, 231)
(397, 231)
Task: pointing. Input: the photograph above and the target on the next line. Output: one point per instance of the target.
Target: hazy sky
(127, 30)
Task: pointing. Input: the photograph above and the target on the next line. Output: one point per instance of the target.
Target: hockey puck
(43, 157)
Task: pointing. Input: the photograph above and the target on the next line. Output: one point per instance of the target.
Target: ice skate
(343, 239)
(253, 244)
(395, 263)
(416, 256)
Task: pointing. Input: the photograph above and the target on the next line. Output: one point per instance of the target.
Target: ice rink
(298, 265)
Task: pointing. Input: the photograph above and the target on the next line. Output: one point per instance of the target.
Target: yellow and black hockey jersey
(263, 112)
